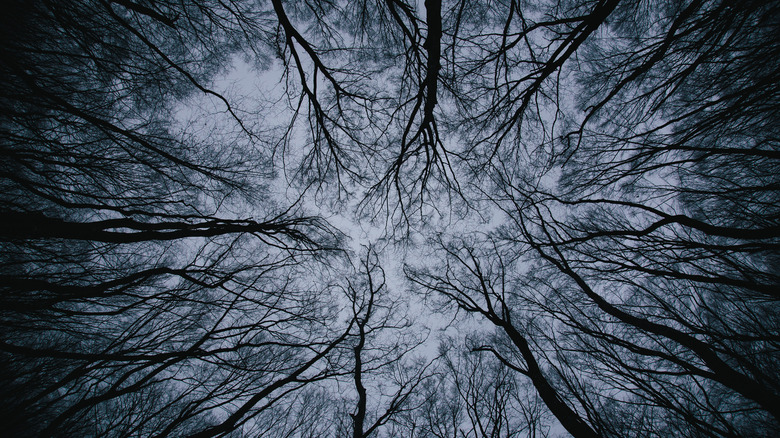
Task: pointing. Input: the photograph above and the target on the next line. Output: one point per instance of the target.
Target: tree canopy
(492, 218)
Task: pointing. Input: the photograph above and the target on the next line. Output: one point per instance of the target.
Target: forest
(390, 218)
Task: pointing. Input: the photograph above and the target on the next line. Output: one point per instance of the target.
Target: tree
(385, 374)
(136, 299)
(647, 266)
(586, 189)
(474, 394)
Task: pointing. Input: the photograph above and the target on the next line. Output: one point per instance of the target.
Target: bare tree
(621, 154)
(386, 376)
(135, 302)
(647, 266)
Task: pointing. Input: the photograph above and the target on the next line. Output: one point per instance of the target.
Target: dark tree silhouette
(385, 374)
(135, 300)
(641, 240)
(583, 194)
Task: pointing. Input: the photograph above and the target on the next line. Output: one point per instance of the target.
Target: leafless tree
(386, 376)
(136, 300)
(622, 156)
(640, 244)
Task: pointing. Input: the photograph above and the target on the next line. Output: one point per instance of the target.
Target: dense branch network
(565, 218)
